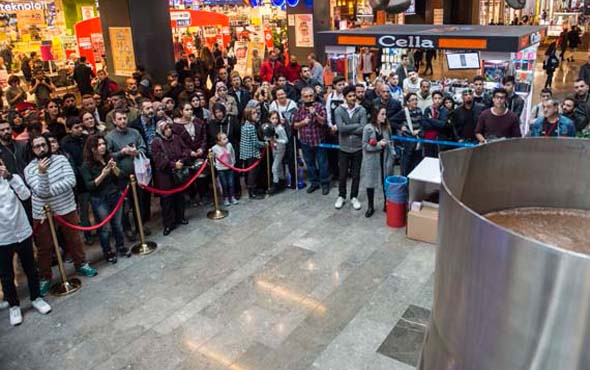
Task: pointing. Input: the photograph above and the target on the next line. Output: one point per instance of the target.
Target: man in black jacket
(14, 154)
(568, 110)
(304, 80)
(584, 73)
(582, 98)
(73, 145)
(391, 105)
(83, 76)
(464, 118)
(514, 102)
(241, 95)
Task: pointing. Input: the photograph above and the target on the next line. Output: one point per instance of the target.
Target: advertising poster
(304, 30)
(122, 49)
(260, 46)
(30, 17)
(87, 12)
(241, 51)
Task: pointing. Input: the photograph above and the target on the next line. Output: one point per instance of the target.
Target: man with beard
(52, 180)
(120, 103)
(145, 124)
(189, 89)
(360, 92)
(513, 101)
(568, 110)
(582, 101)
(305, 80)
(464, 118)
(69, 107)
(13, 153)
(124, 144)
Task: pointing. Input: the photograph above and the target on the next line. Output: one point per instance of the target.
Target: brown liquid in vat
(563, 228)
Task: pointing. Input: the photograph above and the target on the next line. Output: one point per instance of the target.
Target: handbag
(181, 177)
(143, 169)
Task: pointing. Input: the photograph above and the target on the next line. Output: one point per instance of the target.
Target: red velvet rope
(244, 170)
(61, 220)
(182, 188)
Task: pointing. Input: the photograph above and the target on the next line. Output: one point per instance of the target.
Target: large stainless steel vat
(502, 301)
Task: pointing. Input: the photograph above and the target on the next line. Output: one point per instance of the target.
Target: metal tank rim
(538, 243)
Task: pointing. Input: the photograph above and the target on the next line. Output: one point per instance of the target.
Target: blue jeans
(226, 177)
(102, 207)
(316, 159)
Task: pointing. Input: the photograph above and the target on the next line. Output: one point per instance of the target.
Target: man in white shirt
(16, 238)
(412, 83)
(52, 180)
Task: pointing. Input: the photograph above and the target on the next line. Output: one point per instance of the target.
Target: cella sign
(410, 42)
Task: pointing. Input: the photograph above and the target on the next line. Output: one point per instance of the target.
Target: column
(322, 21)
(151, 34)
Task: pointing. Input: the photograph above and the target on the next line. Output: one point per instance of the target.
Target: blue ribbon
(412, 140)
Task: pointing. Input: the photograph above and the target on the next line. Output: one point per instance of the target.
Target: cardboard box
(423, 225)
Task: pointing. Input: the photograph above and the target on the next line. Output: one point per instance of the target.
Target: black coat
(83, 76)
(242, 101)
(74, 148)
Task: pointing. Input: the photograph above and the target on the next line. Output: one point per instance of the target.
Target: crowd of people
(78, 157)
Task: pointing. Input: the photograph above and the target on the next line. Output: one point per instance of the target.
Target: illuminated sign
(15, 7)
(406, 42)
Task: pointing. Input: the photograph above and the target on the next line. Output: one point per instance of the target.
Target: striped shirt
(55, 187)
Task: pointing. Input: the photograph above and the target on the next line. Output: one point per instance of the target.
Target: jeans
(278, 168)
(353, 162)
(84, 207)
(409, 160)
(316, 160)
(102, 207)
(24, 250)
(226, 177)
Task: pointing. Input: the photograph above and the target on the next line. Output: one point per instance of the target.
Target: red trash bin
(396, 214)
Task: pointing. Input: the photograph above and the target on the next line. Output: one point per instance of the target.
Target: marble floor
(283, 283)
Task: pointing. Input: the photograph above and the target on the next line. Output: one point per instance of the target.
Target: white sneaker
(40, 305)
(355, 203)
(226, 202)
(339, 203)
(16, 318)
(4, 305)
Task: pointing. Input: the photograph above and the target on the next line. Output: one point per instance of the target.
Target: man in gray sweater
(350, 119)
(124, 144)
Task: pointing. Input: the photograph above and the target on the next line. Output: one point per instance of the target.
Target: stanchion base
(217, 214)
(65, 288)
(144, 248)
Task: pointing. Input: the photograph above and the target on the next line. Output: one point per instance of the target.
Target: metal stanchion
(296, 163)
(216, 214)
(143, 247)
(268, 174)
(66, 286)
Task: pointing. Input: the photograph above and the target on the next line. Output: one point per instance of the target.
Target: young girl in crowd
(377, 156)
(279, 148)
(250, 147)
(224, 151)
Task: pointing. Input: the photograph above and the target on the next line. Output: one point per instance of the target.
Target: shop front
(491, 51)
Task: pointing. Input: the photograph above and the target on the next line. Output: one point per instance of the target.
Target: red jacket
(270, 70)
(292, 72)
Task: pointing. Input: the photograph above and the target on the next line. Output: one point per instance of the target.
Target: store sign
(30, 17)
(535, 37)
(15, 7)
(410, 42)
(183, 23)
(180, 16)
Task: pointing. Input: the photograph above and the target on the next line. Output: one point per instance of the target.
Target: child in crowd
(250, 147)
(279, 145)
(224, 151)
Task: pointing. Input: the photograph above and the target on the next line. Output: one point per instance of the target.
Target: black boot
(371, 199)
(252, 193)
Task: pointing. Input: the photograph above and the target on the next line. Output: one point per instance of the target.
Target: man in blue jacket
(552, 124)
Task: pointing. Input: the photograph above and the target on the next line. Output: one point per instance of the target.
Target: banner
(27, 17)
(304, 30)
(122, 50)
(241, 50)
